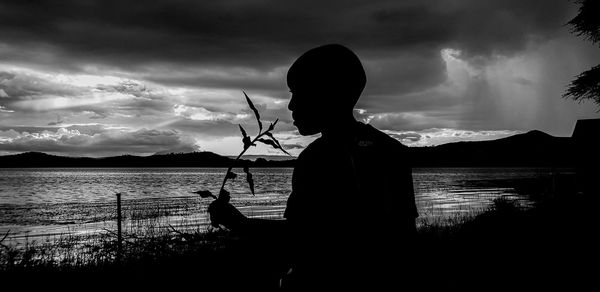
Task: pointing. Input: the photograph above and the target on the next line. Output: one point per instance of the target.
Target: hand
(223, 213)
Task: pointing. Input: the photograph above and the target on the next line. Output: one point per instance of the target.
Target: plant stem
(238, 158)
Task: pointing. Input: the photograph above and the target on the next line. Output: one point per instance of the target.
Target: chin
(308, 131)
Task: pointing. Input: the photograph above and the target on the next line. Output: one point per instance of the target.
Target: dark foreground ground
(550, 246)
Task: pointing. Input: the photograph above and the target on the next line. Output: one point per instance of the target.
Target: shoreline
(497, 236)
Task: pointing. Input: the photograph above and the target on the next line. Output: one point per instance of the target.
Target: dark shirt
(352, 207)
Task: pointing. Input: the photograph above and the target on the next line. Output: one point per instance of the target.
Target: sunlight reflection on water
(64, 200)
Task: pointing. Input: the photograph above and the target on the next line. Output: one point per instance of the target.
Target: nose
(292, 104)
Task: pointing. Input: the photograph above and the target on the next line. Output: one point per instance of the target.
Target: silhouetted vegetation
(266, 137)
(549, 246)
(504, 247)
(194, 159)
(586, 24)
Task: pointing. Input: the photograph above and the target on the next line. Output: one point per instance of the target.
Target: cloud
(407, 137)
(6, 76)
(181, 65)
(245, 45)
(410, 120)
(35, 91)
(107, 142)
(202, 114)
(204, 128)
(58, 122)
(251, 34)
(5, 110)
(436, 136)
(293, 146)
(24, 85)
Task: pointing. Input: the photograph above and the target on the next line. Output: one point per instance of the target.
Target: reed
(149, 234)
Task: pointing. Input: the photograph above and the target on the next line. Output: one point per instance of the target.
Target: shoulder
(380, 140)
(383, 147)
(313, 149)
(368, 140)
(314, 153)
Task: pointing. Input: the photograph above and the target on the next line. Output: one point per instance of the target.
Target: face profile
(325, 83)
(308, 119)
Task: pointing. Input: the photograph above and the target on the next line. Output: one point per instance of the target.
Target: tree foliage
(587, 21)
(586, 24)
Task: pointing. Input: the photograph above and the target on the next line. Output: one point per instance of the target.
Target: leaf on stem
(205, 194)
(268, 142)
(243, 131)
(231, 175)
(255, 112)
(247, 142)
(245, 138)
(272, 125)
(249, 179)
(277, 143)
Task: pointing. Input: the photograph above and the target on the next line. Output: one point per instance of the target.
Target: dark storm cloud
(205, 50)
(404, 73)
(262, 34)
(223, 77)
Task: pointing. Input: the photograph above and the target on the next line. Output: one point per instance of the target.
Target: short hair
(333, 69)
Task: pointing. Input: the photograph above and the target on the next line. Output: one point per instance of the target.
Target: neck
(340, 128)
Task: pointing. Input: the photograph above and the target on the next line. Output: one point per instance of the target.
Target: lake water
(41, 202)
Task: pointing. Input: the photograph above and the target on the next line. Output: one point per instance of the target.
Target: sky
(102, 78)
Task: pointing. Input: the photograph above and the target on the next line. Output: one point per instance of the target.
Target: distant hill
(194, 159)
(266, 157)
(534, 148)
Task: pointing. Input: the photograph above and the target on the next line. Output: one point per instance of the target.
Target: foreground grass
(504, 246)
(549, 246)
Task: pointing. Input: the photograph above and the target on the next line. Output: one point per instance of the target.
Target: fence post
(119, 238)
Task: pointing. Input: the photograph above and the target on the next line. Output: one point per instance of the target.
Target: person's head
(325, 83)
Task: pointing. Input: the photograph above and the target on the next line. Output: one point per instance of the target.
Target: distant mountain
(534, 148)
(194, 159)
(266, 157)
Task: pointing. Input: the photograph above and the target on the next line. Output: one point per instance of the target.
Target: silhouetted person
(350, 219)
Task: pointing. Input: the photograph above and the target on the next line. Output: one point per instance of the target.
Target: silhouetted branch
(265, 137)
(586, 24)
(585, 86)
